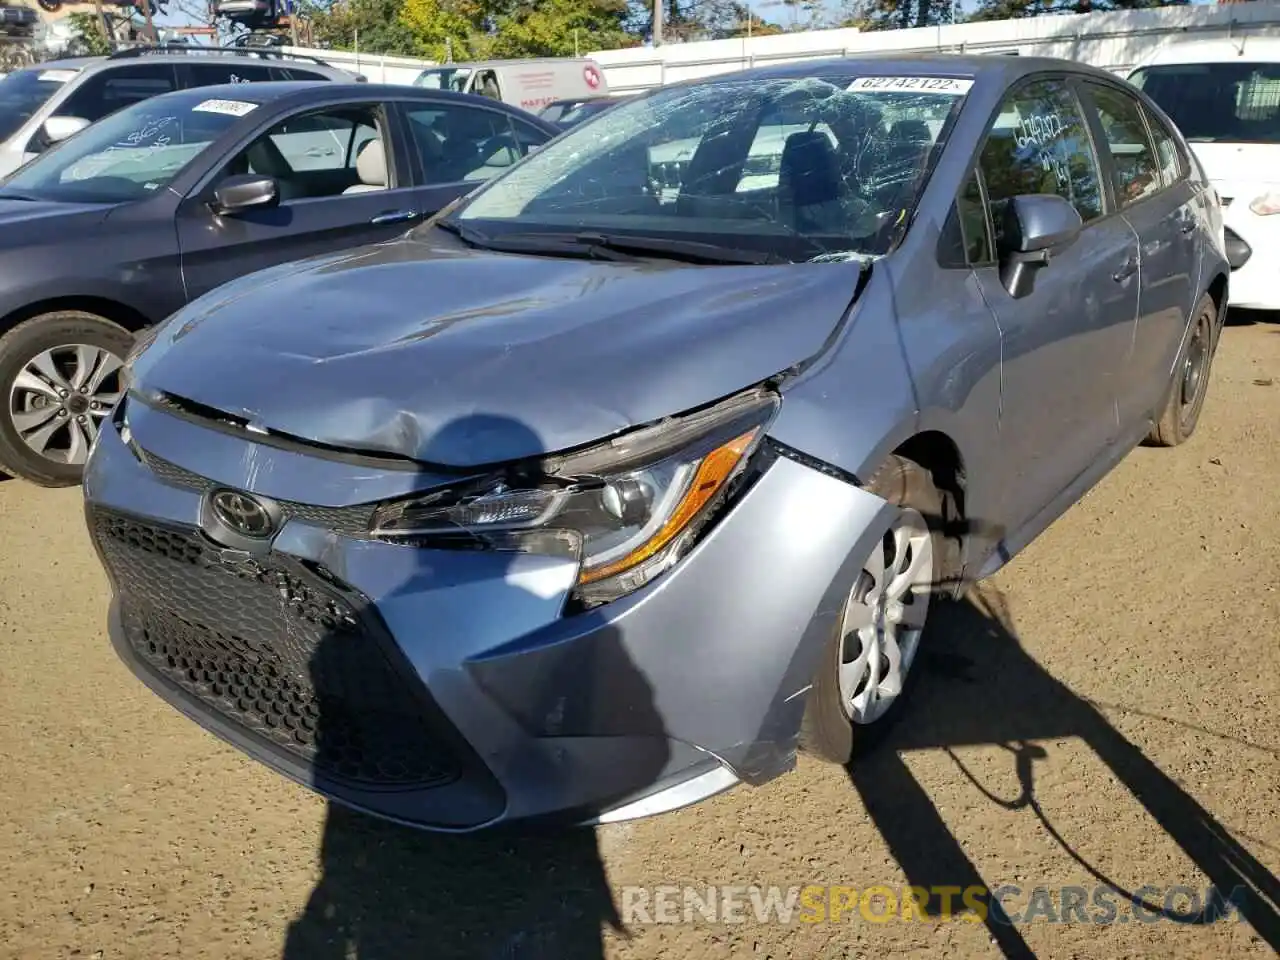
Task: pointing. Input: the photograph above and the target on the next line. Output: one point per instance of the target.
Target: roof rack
(265, 53)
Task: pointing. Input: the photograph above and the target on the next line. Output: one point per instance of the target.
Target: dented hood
(461, 357)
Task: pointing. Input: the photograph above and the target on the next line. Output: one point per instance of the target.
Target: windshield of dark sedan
(1233, 102)
(23, 92)
(130, 154)
(796, 167)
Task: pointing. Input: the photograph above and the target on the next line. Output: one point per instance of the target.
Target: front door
(343, 180)
(1065, 345)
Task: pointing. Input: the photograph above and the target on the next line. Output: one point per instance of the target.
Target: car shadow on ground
(1239, 317)
(978, 686)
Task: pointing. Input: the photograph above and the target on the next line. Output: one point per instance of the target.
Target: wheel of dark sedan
(866, 667)
(59, 379)
(1190, 380)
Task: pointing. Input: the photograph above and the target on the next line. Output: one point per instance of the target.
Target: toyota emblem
(242, 514)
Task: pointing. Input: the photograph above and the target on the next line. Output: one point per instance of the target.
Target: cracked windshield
(799, 169)
(128, 155)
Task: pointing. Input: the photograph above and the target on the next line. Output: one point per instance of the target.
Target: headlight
(626, 510)
(1266, 205)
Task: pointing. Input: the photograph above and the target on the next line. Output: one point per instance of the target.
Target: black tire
(827, 730)
(19, 347)
(1187, 393)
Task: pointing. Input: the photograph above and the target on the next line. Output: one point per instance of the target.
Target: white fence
(373, 66)
(1113, 41)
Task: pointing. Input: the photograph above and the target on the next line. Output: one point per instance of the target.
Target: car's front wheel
(866, 667)
(59, 379)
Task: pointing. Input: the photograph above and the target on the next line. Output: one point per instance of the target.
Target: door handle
(1125, 272)
(395, 216)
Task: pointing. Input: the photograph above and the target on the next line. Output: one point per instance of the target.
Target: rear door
(1154, 195)
(455, 147)
(1064, 346)
(329, 199)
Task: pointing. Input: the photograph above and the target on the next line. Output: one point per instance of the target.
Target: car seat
(371, 166)
(810, 188)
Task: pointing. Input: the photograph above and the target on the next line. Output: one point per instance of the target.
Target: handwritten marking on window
(1039, 129)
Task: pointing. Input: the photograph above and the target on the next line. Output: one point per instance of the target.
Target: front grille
(352, 522)
(279, 649)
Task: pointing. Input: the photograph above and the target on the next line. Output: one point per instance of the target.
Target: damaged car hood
(460, 357)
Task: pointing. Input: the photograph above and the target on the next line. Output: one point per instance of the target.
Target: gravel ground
(1104, 711)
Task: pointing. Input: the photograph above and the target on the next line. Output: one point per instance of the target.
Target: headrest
(371, 163)
(911, 131)
(809, 168)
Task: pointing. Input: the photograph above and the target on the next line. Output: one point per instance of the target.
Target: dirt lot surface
(1107, 709)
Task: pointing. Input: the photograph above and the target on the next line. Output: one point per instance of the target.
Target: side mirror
(244, 192)
(57, 129)
(1035, 226)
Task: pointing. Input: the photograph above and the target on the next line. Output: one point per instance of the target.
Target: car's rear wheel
(1190, 380)
(866, 670)
(59, 379)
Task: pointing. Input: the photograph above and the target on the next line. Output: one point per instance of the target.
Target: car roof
(66, 63)
(288, 92)
(982, 67)
(1250, 50)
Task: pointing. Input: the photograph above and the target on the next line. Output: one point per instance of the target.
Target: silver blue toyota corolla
(646, 463)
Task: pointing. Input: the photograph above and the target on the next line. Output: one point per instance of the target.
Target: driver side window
(326, 153)
(1040, 143)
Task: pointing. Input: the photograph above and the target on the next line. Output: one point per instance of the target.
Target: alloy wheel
(61, 396)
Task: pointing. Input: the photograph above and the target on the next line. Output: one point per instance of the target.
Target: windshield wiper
(689, 251)
(7, 195)
(547, 244)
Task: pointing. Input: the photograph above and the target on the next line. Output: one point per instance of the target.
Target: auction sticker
(231, 108)
(58, 76)
(947, 86)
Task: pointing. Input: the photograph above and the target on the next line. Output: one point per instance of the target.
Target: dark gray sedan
(649, 461)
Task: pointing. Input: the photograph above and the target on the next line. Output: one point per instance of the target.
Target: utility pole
(293, 21)
(657, 22)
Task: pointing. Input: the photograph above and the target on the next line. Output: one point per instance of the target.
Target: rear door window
(1135, 170)
(211, 74)
(1173, 165)
(465, 143)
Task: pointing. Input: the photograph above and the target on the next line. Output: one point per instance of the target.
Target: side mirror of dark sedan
(244, 192)
(1036, 225)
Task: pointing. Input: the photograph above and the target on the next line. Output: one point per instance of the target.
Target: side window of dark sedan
(1040, 143)
(458, 143)
(1133, 159)
(322, 153)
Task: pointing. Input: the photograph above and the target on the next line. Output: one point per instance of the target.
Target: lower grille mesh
(271, 646)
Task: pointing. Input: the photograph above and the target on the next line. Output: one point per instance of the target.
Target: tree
(558, 28)
(899, 14)
(376, 25)
(1007, 9)
(88, 34)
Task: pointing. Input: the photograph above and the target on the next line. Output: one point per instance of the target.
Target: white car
(1225, 97)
